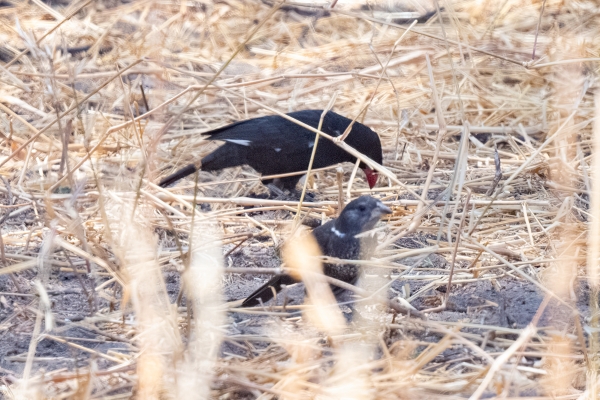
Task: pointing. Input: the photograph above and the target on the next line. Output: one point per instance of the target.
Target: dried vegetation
(111, 286)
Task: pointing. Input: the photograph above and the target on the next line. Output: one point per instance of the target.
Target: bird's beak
(384, 209)
(380, 210)
(371, 177)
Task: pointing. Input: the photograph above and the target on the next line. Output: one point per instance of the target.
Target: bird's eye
(362, 208)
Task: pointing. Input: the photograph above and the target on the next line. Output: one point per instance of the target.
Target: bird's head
(366, 141)
(360, 215)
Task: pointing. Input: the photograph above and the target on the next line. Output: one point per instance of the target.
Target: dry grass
(459, 105)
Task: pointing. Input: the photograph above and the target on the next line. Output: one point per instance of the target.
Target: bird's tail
(265, 292)
(182, 173)
(226, 156)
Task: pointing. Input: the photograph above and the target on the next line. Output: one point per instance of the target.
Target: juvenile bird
(337, 238)
(273, 145)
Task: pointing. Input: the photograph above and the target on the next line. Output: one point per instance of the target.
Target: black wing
(265, 292)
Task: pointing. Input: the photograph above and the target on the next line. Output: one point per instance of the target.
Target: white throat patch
(337, 233)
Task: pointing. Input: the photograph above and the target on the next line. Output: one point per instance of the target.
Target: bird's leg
(275, 191)
(280, 192)
(348, 311)
(308, 196)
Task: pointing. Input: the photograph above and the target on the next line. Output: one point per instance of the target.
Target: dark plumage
(337, 239)
(273, 145)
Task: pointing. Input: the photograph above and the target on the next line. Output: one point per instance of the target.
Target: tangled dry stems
(100, 99)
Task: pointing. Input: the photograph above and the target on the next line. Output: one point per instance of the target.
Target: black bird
(273, 145)
(337, 238)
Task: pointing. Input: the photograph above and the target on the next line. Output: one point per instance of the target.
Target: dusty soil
(509, 302)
